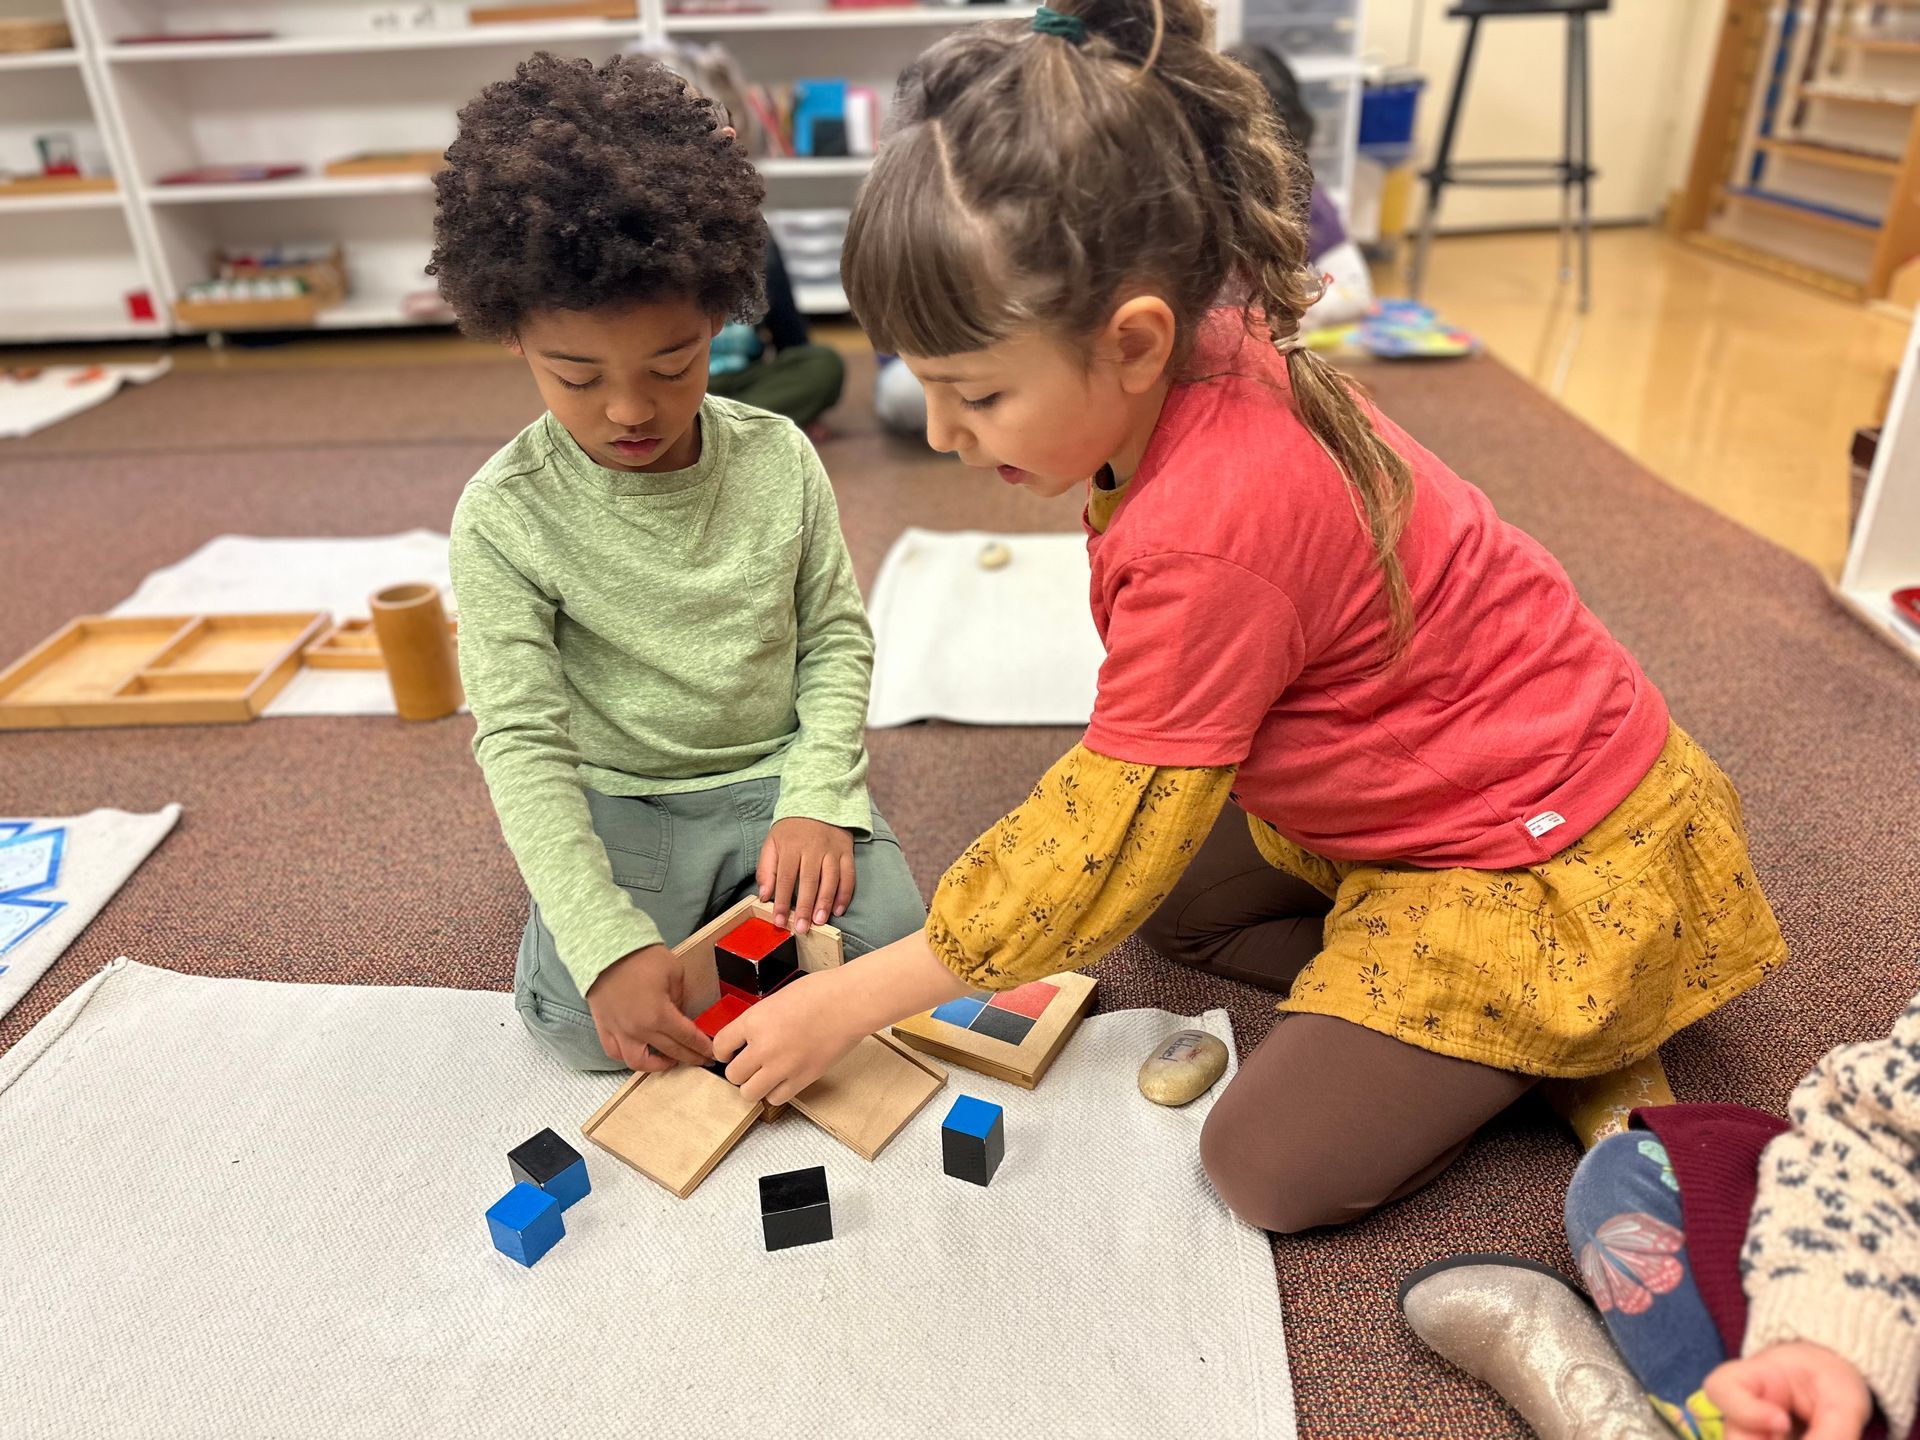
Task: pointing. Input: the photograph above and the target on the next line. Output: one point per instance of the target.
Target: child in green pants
(661, 638)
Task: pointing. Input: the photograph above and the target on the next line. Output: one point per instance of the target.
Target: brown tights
(1326, 1120)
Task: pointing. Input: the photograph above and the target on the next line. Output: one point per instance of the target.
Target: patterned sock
(1598, 1106)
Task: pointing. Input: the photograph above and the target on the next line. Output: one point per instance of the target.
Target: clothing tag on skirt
(1543, 822)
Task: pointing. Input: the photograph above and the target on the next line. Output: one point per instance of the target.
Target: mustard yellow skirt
(1575, 967)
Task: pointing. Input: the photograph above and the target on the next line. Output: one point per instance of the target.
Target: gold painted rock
(1183, 1067)
(995, 556)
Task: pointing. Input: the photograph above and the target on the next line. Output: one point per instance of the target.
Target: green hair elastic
(1070, 28)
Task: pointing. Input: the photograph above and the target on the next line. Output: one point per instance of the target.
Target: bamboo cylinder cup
(411, 626)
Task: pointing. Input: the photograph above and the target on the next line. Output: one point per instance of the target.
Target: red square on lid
(754, 939)
(1030, 999)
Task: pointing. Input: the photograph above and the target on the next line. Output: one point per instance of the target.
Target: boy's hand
(808, 864)
(791, 1038)
(636, 1004)
(1770, 1395)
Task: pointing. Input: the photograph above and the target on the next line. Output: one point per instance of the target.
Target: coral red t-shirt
(1244, 624)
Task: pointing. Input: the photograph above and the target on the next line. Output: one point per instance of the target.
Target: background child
(1479, 852)
(1716, 1231)
(660, 634)
(774, 365)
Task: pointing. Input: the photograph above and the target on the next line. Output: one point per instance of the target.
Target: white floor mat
(955, 641)
(55, 875)
(246, 573)
(59, 392)
(246, 1209)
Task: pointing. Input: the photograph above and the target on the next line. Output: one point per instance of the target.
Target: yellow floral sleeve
(1074, 870)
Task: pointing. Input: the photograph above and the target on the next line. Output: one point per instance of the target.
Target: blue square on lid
(960, 1012)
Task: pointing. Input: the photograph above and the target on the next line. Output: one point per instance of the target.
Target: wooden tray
(248, 314)
(56, 185)
(164, 670)
(352, 645)
(18, 36)
(1021, 1063)
(388, 162)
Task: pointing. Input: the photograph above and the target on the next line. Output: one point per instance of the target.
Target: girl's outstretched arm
(791, 1038)
(1053, 886)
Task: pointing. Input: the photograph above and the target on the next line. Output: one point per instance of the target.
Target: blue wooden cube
(525, 1223)
(552, 1164)
(972, 1140)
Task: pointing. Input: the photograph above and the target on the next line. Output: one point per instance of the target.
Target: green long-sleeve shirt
(647, 634)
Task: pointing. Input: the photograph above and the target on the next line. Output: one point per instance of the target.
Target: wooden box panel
(673, 1126)
(1019, 1064)
(869, 1096)
(104, 670)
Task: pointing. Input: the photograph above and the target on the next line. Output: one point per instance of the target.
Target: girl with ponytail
(1456, 828)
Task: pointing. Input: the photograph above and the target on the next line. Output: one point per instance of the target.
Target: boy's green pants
(683, 859)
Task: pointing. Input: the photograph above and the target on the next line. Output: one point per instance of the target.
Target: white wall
(1649, 61)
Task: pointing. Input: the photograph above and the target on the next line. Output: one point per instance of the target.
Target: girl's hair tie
(1070, 28)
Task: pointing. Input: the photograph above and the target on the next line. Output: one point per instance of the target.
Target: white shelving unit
(1885, 555)
(1321, 42)
(68, 262)
(340, 77)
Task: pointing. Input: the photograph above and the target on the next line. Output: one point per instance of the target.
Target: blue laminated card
(30, 860)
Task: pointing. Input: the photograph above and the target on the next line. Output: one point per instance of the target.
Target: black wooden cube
(972, 1140)
(794, 1208)
(551, 1164)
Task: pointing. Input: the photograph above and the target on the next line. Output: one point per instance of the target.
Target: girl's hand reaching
(1772, 1395)
(795, 1035)
(791, 1038)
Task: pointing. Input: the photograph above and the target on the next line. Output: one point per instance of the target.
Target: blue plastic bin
(1387, 113)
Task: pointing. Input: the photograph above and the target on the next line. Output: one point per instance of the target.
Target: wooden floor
(1740, 388)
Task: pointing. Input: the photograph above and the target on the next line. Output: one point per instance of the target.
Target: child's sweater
(647, 634)
(1833, 1248)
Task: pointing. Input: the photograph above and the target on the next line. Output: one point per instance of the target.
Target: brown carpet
(364, 850)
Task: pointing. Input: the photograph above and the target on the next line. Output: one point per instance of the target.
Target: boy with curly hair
(661, 638)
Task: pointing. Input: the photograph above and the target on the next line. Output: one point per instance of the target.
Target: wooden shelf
(58, 200)
(1880, 47)
(1834, 97)
(39, 59)
(1863, 228)
(1775, 265)
(307, 96)
(294, 187)
(788, 167)
(851, 18)
(353, 43)
(1831, 155)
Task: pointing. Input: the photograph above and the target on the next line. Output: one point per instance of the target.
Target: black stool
(1568, 172)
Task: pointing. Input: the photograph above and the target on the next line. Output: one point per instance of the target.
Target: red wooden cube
(756, 956)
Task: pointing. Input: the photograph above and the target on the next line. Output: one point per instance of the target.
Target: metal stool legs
(1574, 169)
(1440, 174)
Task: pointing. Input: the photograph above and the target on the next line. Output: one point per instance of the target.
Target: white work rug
(956, 641)
(247, 1209)
(247, 573)
(59, 392)
(55, 875)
